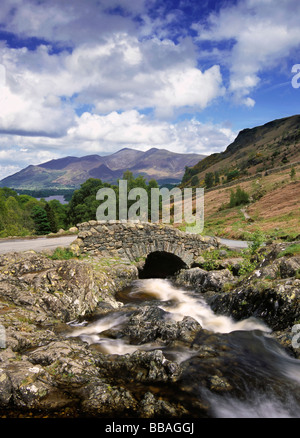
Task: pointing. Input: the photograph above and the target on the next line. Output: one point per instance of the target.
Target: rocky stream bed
(89, 338)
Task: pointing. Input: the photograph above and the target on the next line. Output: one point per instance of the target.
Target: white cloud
(188, 88)
(29, 99)
(118, 74)
(262, 34)
(69, 22)
(129, 128)
(31, 115)
(77, 22)
(14, 158)
(94, 134)
(117, 69)
(125, 73)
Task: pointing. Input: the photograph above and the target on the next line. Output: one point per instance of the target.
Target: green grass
(292, 250)
(62, 254)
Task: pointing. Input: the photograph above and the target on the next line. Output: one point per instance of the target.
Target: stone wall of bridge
(133, 241)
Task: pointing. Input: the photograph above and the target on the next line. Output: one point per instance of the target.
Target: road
(38, 244)
(44, 243)
(235, 243)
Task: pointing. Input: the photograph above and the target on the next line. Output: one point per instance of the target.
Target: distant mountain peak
(58, 163)
(70, 172)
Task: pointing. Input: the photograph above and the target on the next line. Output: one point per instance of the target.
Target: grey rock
(44, 370)
(204, 281)
(215, 280)
(151, 323)
(276, 301)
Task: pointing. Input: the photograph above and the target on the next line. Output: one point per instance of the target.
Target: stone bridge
(162, 244)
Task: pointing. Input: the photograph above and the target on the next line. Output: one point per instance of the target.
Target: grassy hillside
(254, 150)
(274, 208)
(259, 164)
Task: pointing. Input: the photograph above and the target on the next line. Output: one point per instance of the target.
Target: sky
(81, 77)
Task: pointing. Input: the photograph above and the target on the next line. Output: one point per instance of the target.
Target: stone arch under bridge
(136, 240)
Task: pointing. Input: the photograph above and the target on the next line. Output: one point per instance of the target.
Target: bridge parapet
(135, 240)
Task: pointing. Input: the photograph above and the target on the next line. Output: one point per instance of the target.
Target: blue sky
(95, 76)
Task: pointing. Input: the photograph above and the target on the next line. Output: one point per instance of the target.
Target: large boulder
(205, 281)
(271, 293)
(152, 324)
(283, 267)
(63, 289)
(277, 303)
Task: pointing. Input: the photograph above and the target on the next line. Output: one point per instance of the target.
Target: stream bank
(88, 338)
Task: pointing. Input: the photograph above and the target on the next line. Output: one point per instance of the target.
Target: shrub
(293, 173)
(239, 197)
(257, 241)
(195, 181)
(62, 254)
(232, 174)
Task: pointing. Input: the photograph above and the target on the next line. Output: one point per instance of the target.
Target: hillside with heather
(271, 207)
(255, 150)
(254, 185)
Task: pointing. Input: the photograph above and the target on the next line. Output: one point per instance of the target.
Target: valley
(262, 162)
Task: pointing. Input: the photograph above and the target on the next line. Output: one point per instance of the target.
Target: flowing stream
(257, 357)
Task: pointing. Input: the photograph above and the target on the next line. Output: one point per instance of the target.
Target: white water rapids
(187, 305)
(179, 303)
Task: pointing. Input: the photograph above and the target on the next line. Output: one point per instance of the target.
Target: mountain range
(69, 172)
(254, 150)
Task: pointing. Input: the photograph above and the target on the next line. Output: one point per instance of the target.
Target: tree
(293, 173)
(51, 218)
(209, 179)
(15, 217)
(13, 211)
(60, 212)
(152, 184)
(217, 177)
(187, 174)
(2, 210)
(83, 204)
(42, 225)
(128, 175)
(195, 181)
(85, 197)
(7, 192)
(140, 182)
